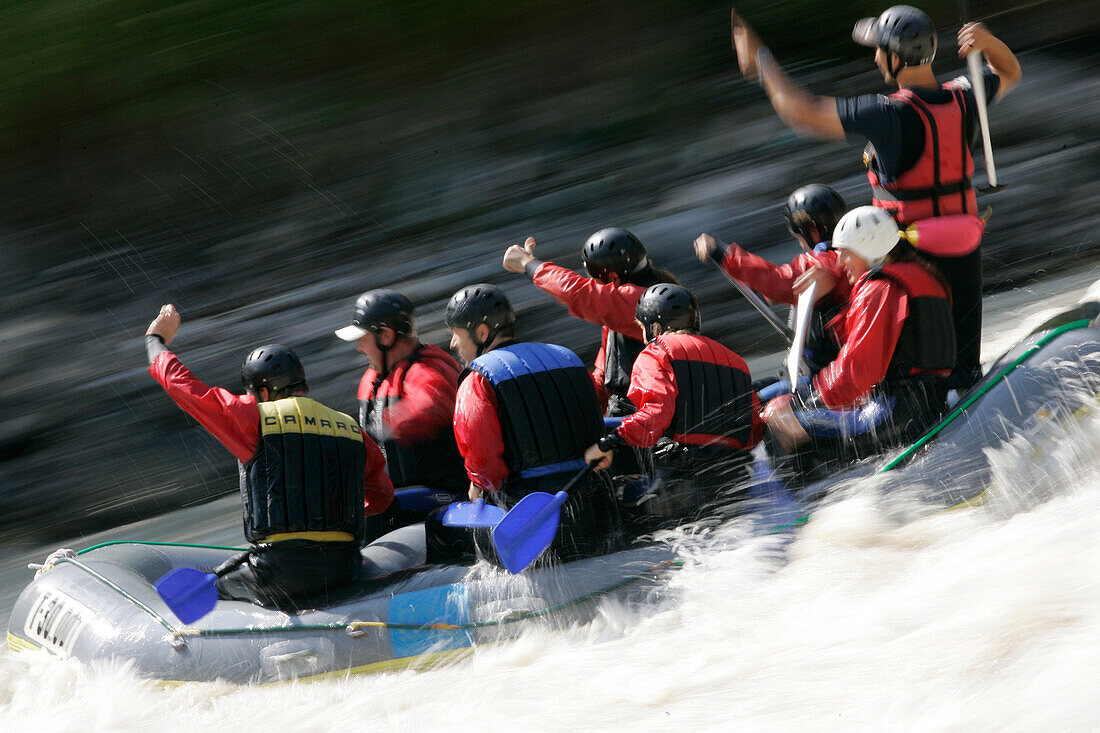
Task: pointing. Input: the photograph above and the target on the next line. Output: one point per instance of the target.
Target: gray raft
(101, 604)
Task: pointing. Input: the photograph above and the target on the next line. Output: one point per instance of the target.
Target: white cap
(869, 232)
(350, 333)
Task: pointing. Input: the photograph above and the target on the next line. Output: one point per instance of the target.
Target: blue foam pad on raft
(448, 604)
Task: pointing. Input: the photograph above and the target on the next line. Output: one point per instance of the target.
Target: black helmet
(378, 309)
(613, 251)
(672, 306)
(814, 205)
(275, 367)
(481, 303)
(903, 30)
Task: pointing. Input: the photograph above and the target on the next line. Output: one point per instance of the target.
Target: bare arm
(799, 110)
(976, 37)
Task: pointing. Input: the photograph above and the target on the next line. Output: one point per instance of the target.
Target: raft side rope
(122, 592)
(955, 414)
(960, 409)
(159, 544)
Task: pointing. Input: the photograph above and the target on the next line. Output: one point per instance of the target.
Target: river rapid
(979, 619)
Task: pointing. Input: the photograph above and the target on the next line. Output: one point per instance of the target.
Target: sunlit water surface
(979, 619)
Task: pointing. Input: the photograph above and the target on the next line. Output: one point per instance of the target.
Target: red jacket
(605, 304)
(870, 327)
(235, 421)
(427, 388)
(776, 282)
(478, 432)
(654, 389)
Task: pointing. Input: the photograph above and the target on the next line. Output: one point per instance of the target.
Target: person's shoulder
(435, 358)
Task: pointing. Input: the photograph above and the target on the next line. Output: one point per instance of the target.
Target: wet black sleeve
(154, 347)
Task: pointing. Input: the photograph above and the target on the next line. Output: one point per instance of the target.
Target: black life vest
(927, 341)
(714, 404)
(434, 463)
(939, 182)
(305, 480)
(548, 409)
(619, 356)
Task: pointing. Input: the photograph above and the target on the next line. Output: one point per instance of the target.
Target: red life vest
(939, 183)
(714, 399)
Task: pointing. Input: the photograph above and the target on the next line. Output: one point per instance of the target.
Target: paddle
(472, 514)
(531, 525)
(191, 593)
(806, 301)
(977, 85)
(758, 303)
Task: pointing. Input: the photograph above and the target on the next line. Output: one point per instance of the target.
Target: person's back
(308, 474)
(696, 407)
(402, 412)
(523, 416)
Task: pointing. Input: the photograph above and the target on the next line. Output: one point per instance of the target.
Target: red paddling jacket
(897, 325)
(409, 414)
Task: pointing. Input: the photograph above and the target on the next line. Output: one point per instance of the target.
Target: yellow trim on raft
(17, 644)
(312, 536)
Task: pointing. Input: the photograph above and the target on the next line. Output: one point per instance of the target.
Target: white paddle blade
(805, 310)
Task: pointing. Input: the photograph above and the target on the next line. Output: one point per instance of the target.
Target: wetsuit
(919, 165)
(300, 553)
(696, 403)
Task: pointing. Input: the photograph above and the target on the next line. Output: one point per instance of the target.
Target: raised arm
(803, 112)
(976, 37)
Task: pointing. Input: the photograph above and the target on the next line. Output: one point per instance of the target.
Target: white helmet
(867, 231)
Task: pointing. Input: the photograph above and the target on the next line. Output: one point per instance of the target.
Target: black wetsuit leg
(292, 574)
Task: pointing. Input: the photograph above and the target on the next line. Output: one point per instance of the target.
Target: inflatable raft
(100, 604)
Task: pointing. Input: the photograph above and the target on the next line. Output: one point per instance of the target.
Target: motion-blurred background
(261, 163)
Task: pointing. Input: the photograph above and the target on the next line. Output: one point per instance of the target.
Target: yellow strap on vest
(312, 536)
(303, 415)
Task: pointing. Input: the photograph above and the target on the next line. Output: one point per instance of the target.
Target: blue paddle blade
(528, 529)
(473, 514)
(190, 593)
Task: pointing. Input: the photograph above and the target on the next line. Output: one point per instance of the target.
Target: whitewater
(974, 619)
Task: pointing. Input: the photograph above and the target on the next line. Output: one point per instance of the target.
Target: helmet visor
(865, 32)
(350, 333)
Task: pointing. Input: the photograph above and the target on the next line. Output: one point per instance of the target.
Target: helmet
(672, 306)
(273, 366)
(613, 251)
(813, 206)
(378, 309)
(903, 30)
(869, 232)
(481, 303)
